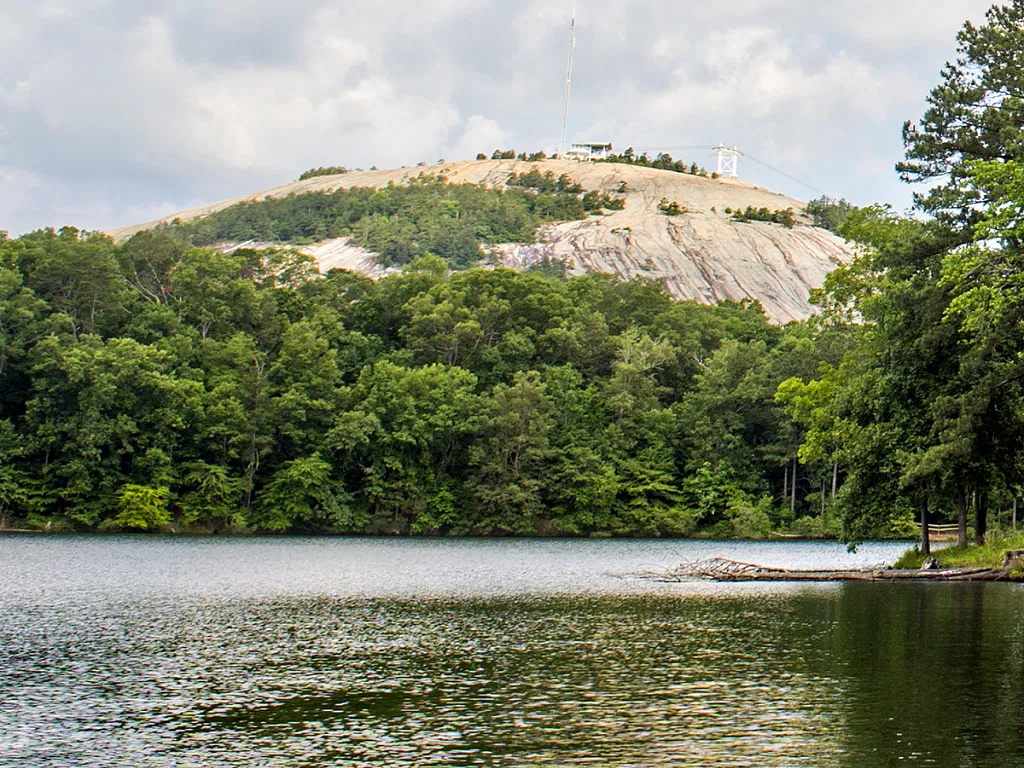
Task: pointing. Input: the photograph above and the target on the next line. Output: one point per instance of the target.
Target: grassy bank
(992, 555)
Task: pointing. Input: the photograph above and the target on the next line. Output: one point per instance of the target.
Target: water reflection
(193, 675)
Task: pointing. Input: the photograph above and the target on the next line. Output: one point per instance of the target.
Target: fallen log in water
(719, 569)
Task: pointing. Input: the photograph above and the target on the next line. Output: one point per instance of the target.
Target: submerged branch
(722, 570)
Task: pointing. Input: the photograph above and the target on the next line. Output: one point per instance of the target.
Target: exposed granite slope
(703, 254)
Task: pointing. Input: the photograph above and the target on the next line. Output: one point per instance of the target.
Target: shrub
(786, 218)
(331, 170)
(829, 213)
(662, 162)
(671, 207)
(750, 519)
(140, 507)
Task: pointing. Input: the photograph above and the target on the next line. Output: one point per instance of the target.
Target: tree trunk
(792, 498)
(835, 479)
(926, 539)
(981, 519)
(961, 508)
(785, 484)
(1015, 514)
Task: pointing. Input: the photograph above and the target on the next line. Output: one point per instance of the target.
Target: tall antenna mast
(568, 81)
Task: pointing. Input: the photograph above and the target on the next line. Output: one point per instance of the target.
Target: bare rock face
(703, 254)
(703, 257)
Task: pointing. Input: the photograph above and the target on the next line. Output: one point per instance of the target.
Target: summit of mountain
(699, 249)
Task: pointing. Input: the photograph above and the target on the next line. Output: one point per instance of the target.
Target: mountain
(703, 253)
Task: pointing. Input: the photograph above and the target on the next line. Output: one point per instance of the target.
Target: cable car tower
(728, 161)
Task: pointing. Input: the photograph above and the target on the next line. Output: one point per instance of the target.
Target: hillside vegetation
(521, 213)
(398, 223)
(153, 383)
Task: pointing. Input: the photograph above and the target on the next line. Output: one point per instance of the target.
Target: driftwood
(722, 570)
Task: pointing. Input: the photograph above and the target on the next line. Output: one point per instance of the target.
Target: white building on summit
(589, 150)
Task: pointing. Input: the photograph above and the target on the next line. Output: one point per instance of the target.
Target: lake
(138, 651)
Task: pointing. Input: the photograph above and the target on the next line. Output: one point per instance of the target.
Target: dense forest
(159, 383)
(401, 222)
(155, 383)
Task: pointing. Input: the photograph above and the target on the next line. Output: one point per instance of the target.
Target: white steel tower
(568, 81)
(728, 161)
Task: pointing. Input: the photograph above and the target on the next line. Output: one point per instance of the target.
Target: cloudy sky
(118, 111)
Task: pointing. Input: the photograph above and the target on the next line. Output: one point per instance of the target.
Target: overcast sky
(118, 111)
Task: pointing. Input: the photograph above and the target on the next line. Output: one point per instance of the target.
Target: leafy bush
(140, 507)
(750, 520)
(545, 182)
(331, 170)
(786, 218)
(663, 162)
(829, 213)
(825, 526)
(597, 202)
(671, 207)
(398, 223)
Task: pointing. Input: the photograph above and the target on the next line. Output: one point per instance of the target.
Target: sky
(115, 112)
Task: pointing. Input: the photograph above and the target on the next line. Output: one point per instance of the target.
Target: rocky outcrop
(706, 257)
(703, 254)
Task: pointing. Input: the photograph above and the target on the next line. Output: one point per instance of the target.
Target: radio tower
(568, 81)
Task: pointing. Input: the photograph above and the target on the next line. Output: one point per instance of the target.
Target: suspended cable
(674, 149)
(783, 173)
(772, 168)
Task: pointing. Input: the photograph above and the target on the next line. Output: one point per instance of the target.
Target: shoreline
(773, 539)
(1011, 570)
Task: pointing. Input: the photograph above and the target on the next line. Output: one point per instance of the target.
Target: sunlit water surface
(351, 652)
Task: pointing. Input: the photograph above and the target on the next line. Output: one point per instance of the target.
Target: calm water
(335, 652)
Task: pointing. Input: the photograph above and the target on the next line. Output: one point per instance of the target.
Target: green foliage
(712, 493)
(992, 555)
(786, 218)
(663, 161)
(752, 520)
(302, 495)
(827, 525)
(399, 222)
(671, 207)
(545, 182)
(924, 414)
(331, 170)
(157, 384)
(972, 116)
(828, 213)
(141, 508)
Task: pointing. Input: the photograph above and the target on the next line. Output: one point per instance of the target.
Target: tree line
(925, 412)
(662, 161)
(155, 383)
(399, 222)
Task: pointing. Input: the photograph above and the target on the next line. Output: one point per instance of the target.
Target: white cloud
(140, 107)
(898, 26)
(479, 134)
